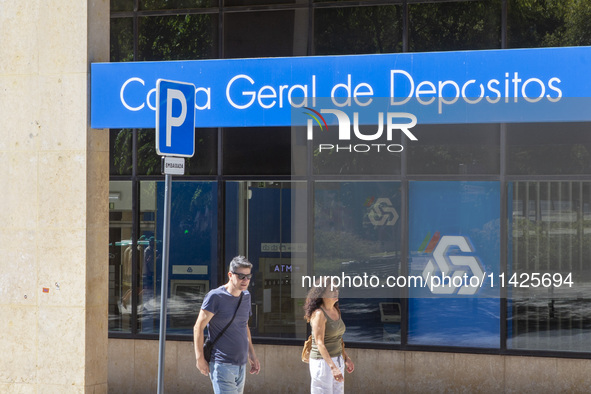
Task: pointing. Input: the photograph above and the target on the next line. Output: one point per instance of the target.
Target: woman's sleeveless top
(333, 334)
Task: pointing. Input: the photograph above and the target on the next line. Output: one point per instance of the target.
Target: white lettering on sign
(448, 92)
(129, 107)
(243, 92)
(356, 93)
(199, 94)
(174, 121)
(268, 96)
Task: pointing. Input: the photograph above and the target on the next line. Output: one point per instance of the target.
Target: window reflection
(540, 23)
(121, 40)
(232, 3)
(459, 25)
(551, 236)
(455, 149)
(204, 162)
(332, 156)
(548, 148)
(174, 4)
(120, 256)
(178, 37)
(192, 253)
(357, 232)
(357, 30)
(275, 35)
(121, 148)
(454, 230)
(259, 221)
(548, 220)
(122, 5)
(257, 151)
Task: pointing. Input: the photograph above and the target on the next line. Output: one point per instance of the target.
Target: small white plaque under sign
(174, 165)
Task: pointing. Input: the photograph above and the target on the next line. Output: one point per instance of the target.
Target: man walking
(233, 349)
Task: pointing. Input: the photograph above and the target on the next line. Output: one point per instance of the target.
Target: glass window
(121, 39)
(454, 149)
(577, 31)
(120, 152)
(357, 235)
(233, 3)
(257, 151)
(454, 233)
(275, 34)
(259, 221)
(120, 256)
(332, 156)
(192, 258)
(537, 23)
(357, 30)
(122, 5)
(548, 148)
(548, 276)
(450, 26)
(178, 37)
(175, 4)
(204, 162)
(148, 161)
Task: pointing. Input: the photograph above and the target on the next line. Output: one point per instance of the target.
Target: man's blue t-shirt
(232, 347)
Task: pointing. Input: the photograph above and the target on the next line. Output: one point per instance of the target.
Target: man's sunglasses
(242, 276)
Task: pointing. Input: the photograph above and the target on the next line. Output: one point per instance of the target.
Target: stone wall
(53, 199)
(133, 367)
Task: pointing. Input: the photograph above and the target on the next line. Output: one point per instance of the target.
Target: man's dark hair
(239, 262)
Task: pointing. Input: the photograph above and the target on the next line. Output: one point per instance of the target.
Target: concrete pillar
(54, 173)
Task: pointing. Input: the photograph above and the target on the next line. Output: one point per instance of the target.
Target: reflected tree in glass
(179, 37)
(121, 39)
(357, 30)
(121, 145)
(548, 23)
(448, 26)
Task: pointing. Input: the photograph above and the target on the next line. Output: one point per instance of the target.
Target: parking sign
(175, 118)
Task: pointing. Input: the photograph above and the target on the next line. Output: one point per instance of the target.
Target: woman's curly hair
(314, 300)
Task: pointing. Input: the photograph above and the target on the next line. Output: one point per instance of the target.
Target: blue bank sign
(520, 85)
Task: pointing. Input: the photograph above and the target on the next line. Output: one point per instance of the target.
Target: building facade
(509, 199)
(517, 191)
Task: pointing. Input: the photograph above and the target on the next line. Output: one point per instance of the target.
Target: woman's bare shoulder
(318, 315)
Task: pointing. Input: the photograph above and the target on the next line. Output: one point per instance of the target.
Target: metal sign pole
(169, 93)
(164, 282)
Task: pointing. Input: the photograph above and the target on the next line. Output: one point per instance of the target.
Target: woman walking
(328, 358)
